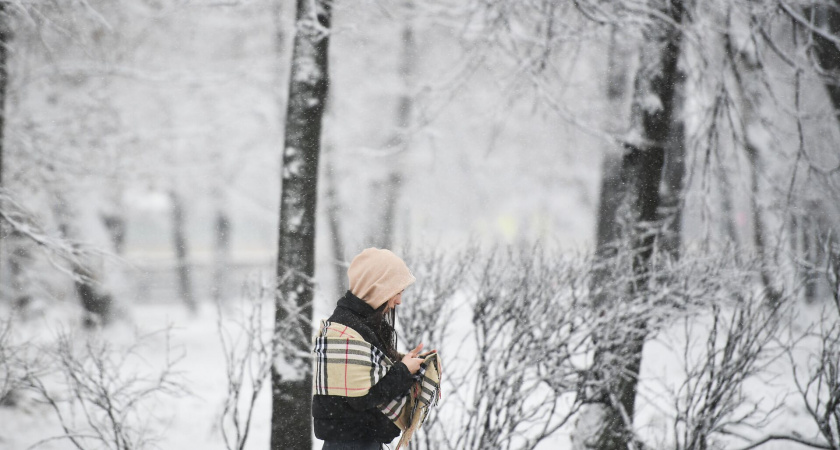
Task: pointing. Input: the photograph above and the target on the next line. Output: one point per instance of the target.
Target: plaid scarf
(346, 365)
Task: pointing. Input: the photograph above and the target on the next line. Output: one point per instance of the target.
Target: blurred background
(143, 139)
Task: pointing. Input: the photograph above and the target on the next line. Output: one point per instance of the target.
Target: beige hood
(376, 275)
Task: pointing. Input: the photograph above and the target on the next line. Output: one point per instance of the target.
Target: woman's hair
(382, 324)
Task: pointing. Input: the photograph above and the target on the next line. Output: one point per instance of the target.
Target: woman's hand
(412, 361)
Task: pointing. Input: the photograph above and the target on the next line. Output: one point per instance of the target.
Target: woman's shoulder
(347, 318)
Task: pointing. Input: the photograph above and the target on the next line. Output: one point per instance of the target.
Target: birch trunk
(291, 379)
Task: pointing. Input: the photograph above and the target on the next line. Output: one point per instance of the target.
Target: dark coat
(340, 418)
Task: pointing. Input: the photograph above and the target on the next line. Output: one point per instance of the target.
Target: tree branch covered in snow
(18, 364)
(59, 251)
(522, 326)
(740, 340)
(818, 382)
(105, 396)
(249, 351)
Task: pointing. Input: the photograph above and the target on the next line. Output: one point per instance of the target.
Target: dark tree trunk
(673, 176)
(826, 52)
(617, 365)
(113, 218)
(20, 259)
(5, 37)
(292, 383)
(96, 302)
(115, 225)
(827, 55)
(606, 237)
(179, 242)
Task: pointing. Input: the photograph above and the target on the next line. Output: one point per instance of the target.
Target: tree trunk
(610, 192)
(673, 176)
(179, 242)
(221, 250)
(5, 37)
(399, 142)
(20, 259)
(113, 217)
(826, 52)
(290, 376)
(96, 302)
(730, 227)
(746, 69)
(593, 416)
(115, 225)
(827, 55)
(616, 366)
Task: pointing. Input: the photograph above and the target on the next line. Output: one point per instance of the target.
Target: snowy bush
(101, 395)
(250, 348)
(518, 330)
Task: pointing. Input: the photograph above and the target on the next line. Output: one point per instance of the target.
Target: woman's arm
(395, 383)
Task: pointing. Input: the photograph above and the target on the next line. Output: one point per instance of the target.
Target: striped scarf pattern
(347, 365)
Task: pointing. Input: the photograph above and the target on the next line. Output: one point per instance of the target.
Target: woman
(357, 391)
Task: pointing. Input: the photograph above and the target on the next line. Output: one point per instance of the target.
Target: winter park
(440, 224)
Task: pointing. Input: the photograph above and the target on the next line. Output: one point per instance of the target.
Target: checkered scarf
(346, 365)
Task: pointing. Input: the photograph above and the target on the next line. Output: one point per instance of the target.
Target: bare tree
(249, 351)
(290, 376)
(818, 382)
(747, 70)
(5, 38)
(104, 391)
(510, 325)
(711, 402)
(98, 303)
(640, 175)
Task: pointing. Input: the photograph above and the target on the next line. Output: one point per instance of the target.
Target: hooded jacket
(339, 418)
(378, 274)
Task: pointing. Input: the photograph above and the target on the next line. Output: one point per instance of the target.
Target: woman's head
(378, 276)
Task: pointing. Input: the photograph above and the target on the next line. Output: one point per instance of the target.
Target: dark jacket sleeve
(395, 383)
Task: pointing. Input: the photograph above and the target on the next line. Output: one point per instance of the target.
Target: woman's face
(394, 301)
